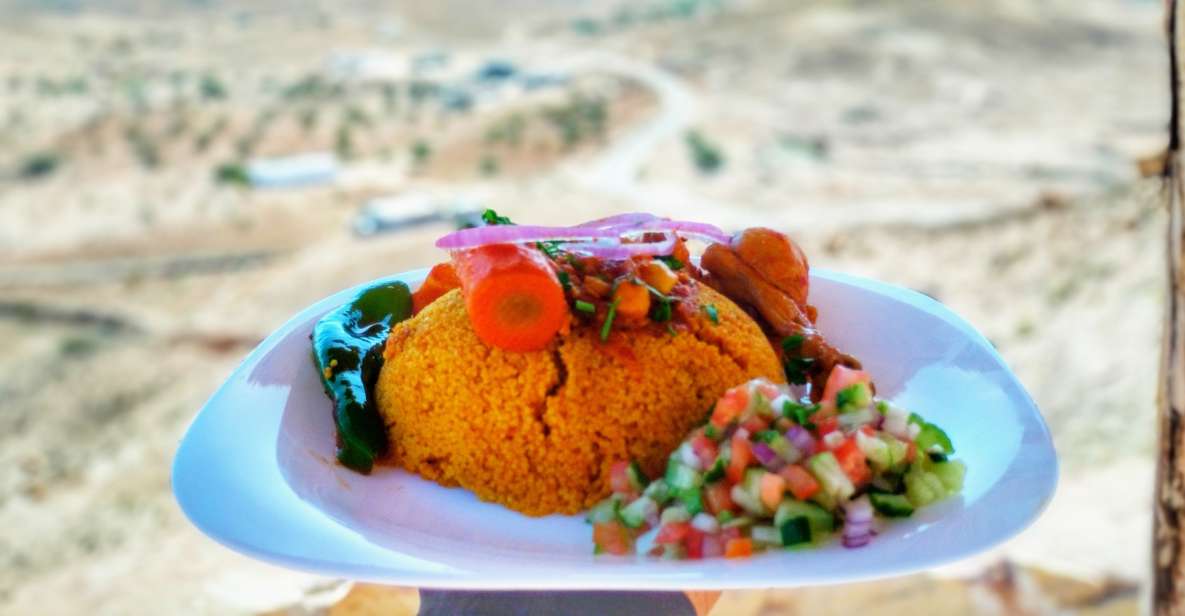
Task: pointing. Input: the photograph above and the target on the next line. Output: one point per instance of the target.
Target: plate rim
(610, 578)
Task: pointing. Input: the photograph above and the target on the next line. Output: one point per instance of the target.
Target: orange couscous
(538, 431)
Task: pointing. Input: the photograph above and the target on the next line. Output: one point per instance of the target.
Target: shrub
(39, 165)
(707, 156)
(232, 173)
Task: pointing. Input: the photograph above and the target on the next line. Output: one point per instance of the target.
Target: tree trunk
(1168, 592)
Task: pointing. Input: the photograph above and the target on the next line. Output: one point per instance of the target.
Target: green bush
(420, 152)
(488, 165)
(39, 165)
(708, 157)
(211, 88)
(232, 173)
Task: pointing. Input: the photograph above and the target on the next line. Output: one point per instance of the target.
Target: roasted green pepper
(348, 353)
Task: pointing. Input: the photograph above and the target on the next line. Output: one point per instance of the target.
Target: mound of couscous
(538, 431)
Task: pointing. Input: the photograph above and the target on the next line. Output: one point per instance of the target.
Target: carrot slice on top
(441, 279)
(512, 295)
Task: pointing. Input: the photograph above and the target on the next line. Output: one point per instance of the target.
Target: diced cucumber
(795, 531)
(784, 448)
(737, 522)
(658, 491)
(765, 535)
(853, 398)
(876, 450)
(634, 514)
(923, 487)
(636, 477)
(604, 511)
(747, 502)
(645, 542)
(950, 473)
(682, 477)
(891, 505)
(819, 519)
(674, 513)
(716, 472)
(931, 438)
(826, 469)
(692, 499)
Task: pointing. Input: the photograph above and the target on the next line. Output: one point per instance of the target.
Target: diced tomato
(717, 497)
(841, 377)
(730, 406)
(738, 548)
(672, 532)
(852, 461)
(694, 543)
(772, 488)
(704, 449)
(619, 480)
(767, 390)
(799, 481)
(613, 538)
(825, 425)
(755, 424)
(739, 458)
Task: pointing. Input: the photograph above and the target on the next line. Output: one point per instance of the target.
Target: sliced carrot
(441, 279)
(512, 295)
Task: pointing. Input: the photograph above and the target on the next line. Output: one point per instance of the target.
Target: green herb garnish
(712, 314)
(797, 369)
(792, 343)
(766, 436)
(671, 330)
(490, 217)
(585, 307)
(672, 262)
(565, 281)
(800, 413)
(661, 313)
(609, 319)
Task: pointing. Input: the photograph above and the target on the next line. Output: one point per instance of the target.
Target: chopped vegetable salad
(768, 471)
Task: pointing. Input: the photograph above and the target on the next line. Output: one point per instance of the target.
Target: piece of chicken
(766, 272)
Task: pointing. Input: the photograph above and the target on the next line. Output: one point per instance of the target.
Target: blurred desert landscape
(177, 179)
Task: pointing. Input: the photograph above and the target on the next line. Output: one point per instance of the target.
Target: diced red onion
(705, 523)
(767, 456)
(857, 525)
(713, 546)
(801, 439)
(501, 234)
(858, 510)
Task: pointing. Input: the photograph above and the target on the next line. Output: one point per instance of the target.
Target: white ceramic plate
(255, 471)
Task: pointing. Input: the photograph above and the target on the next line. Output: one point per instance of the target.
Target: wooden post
(1168, 552)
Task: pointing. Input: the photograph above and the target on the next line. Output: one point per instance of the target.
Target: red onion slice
(630, 219)
(501, 234)
(623, 251)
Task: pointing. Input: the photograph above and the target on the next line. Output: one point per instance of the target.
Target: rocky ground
(984, 153)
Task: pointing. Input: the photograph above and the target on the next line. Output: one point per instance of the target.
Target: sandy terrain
(983, 153)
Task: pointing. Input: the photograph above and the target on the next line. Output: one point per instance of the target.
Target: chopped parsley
(672, 262)
(792, 343)
(585, 307)
(490, 217)
(797, 369)
(712, 314)
(661, 313)
(565, 281)
(609, 319)
(711, 432)
(671, 330)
